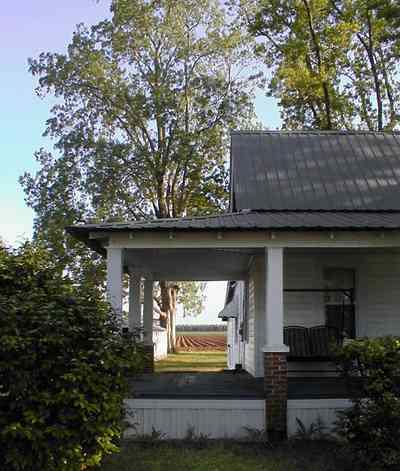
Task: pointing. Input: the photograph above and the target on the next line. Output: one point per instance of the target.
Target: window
(339, 300)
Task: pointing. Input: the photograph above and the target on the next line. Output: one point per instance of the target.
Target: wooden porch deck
(228, 385)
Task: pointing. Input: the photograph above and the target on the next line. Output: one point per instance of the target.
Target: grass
(192, 362)
(219, 456)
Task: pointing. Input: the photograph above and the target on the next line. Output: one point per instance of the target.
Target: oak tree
(145, 100)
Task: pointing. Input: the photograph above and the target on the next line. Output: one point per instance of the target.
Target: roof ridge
(311, 131)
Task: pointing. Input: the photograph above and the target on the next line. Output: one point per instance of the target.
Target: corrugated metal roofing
(263, 220)
(315, 170)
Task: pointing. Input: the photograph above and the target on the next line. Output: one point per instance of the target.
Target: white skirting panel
(220, 418)
(311, 410)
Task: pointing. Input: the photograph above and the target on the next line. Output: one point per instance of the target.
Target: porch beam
(114, 278)
(148, 312)
(184, 275)
(254, 239)
(134, 302)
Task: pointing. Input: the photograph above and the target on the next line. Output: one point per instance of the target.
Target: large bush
(372, 425)
(63, 367)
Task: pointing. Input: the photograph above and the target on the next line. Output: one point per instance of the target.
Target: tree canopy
(145, 102)
(333, 63)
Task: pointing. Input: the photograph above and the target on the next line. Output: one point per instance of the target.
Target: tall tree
(145, 100)
(372, 60)
(303, 47)
(333, 63)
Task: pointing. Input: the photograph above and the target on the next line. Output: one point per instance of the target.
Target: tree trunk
(168, 300)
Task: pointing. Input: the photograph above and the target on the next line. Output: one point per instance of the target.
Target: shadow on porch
(216, 385)
(240, 385)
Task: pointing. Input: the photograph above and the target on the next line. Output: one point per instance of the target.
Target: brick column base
(275, 387)
(149, 359)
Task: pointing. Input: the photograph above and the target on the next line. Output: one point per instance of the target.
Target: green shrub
(372, 425)
(63, 367)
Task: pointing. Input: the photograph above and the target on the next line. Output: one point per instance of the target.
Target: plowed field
(201, 343)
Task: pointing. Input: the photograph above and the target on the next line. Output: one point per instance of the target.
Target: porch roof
(253, 220)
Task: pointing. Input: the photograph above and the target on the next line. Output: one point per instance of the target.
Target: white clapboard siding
(377, 295)
(250, 345)
(160, 339)
(310, 411)
(256, 337)
(377, 289)
(221, 418)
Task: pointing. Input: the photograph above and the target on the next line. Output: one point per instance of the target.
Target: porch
(225, 405)
(230, 385)
(283, 277)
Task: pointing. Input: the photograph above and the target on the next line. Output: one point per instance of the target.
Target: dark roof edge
(309, 131)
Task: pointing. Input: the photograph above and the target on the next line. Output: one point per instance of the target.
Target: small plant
(315, 431)
(256, 435)
(191, 438)
(154, 437)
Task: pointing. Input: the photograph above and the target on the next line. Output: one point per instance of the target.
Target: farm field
(201, 341)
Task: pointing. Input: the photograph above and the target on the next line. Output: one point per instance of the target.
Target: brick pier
(276, 388)
(149, 359)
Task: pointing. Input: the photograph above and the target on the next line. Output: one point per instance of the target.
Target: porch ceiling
(190, 264)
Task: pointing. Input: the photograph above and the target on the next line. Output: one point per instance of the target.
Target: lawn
(292, 456)
(192, 362)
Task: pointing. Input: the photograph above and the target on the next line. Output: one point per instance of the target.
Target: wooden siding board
(377, 294)
(311, 410)
(215, 418)
(377, 289)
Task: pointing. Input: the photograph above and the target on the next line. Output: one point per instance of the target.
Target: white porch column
(275, 362)
(134, 302)
(114, 278)
(274, 300)
(148, 312)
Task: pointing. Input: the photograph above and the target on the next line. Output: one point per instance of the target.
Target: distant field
(206, 332)
(201, 341)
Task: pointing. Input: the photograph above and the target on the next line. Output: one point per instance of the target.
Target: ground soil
(200, 343)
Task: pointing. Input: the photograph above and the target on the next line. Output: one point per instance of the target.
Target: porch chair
(297, 339)
(321, 338)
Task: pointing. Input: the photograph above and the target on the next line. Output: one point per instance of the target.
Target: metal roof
(263, 220)
(315, 170)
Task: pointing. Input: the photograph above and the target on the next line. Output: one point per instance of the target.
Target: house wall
(160, 340)
(377, 289)
(377, 293)
(231, 341)
(255, 342)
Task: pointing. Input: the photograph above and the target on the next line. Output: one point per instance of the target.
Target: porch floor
(223, 385)
(218, 385)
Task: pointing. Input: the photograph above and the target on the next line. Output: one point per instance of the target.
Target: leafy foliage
(63, 367)
(333, 63)
(372, 424)
(145, 102)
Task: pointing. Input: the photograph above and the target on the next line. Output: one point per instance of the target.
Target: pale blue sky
(26, 29)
